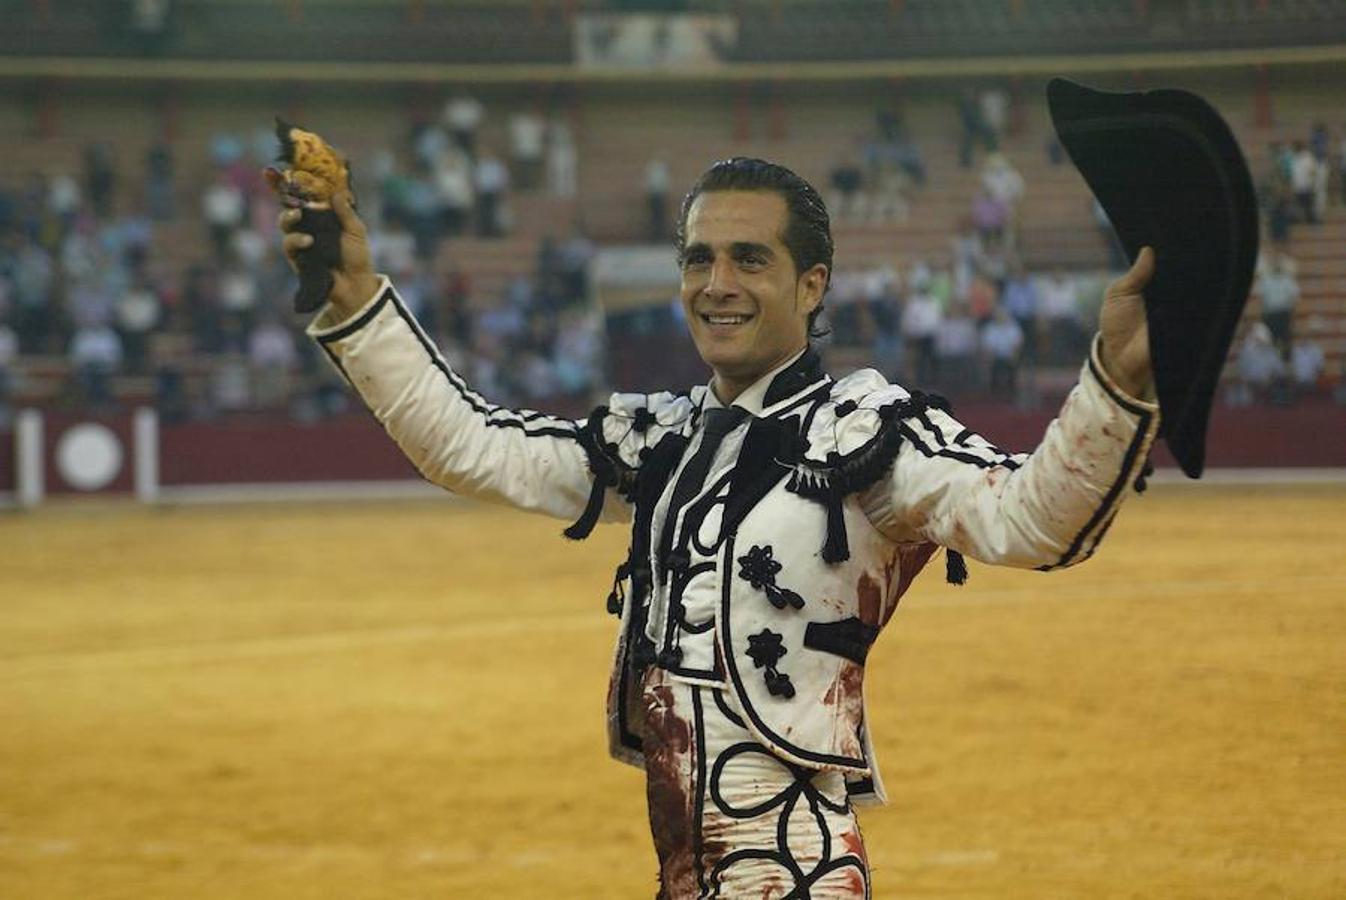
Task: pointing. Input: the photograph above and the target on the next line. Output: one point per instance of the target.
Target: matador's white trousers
(732, 820)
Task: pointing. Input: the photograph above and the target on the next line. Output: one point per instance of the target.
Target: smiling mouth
(725, 318)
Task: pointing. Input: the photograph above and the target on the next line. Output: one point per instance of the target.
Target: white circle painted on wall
(89, 456)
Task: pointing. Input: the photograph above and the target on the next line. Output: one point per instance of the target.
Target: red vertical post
(46, 109)
(895, 8)
(742, 111)
(170, 114)
(294, 9)
(777, 124)
(416, 12)
(1263, 116)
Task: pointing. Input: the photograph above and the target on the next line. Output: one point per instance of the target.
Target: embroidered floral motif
(759, 568)
(765, 650)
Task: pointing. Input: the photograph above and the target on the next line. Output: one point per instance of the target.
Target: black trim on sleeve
(360, 321)
(478, 403)
(1106, 509)
(1117, 396)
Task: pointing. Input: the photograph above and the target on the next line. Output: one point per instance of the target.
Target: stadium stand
(810, 125)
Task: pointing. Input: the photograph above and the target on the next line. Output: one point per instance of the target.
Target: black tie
(716, 423)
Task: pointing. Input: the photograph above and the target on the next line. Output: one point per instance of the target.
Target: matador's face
(746, 306)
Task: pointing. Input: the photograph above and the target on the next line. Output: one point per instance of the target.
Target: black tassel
(837, 548)
(1146, 471)
(955, 567)
(617, 597)
(589, 518)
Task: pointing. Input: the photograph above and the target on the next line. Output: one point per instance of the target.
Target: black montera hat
(1170, 175)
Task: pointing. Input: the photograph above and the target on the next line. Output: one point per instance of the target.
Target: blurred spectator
(224, 208)
(9, 354)
(1341, 166)
(462, 116)
(847, 200)
(990, 215)
(983, 299)
(527, 143)
(963, 253)
(1002, 340)
(1279, 289)
(1001, 180)
(1320, 141)
(1259, 367)
(238, 295)
(160, 193)
(1304, 168)
(491, 180)
(100, 178)
(201, 302)
(921, 315)
(249, 248)
(95, 357)
(230, 384)
(976, 130)
(897, 146)
(148, 25)
(562, 159)
(1058, 301)
(453, 183)
(1307, 360)
(657, 178)
(572, 258)
(578, 350)
(137, 312)
(272, 359)
(33, 277)
(92, 301)
(1020, 300)
(63, 201)
(994, 102)
(392, 247)
(956, 351)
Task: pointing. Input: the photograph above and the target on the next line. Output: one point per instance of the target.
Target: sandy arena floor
(405, 701)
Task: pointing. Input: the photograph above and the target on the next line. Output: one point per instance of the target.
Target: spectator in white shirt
(95, 356)
(491, 179)
(562, 160)
(1304, 180)
(1279, 289)
(462, 116)
(921, 316)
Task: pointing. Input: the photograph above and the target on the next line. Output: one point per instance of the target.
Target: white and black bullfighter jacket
(769, 566)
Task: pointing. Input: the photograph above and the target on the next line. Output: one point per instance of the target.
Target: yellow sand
(405, 701)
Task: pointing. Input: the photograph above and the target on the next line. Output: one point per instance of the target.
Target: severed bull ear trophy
(310, 174)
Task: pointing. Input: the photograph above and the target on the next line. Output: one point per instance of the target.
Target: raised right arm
(454, 437)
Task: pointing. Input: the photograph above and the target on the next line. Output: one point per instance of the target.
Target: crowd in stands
(90, 287)
(958, 330)
(1297, 186)
(85, 279)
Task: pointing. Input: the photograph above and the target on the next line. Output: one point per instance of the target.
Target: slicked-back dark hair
(808, 229)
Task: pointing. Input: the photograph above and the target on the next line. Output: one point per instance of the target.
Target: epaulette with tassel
(831, 481)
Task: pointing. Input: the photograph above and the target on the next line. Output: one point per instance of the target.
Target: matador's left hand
(1126, 336)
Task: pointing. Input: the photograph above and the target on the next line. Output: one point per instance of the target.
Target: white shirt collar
(751, 398)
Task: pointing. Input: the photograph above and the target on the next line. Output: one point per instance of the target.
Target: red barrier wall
(355, 448)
